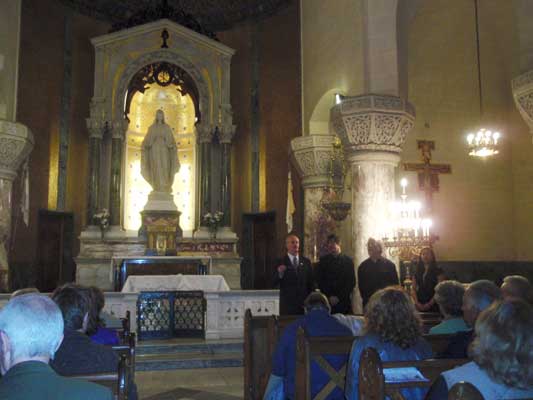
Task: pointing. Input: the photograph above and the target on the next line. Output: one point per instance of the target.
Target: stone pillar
(16, 140)
(117, 150)
(16, 143)
(226, 136)
(311, 155)
(522, 87)
(96, 133)
(204, 135)
(372, 129)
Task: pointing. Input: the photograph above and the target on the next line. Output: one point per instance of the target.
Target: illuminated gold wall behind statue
(180, 116)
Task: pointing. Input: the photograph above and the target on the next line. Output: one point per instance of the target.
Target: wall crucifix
(428, 174)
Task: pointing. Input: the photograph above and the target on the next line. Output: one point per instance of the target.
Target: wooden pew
(118, 381)
(313, 348)
(310, 349)
(372, 383)
(261, 334)
(127, 349)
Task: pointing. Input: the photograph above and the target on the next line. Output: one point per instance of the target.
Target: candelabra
(408, 232)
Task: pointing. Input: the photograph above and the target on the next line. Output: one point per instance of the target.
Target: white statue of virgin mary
(159, 155)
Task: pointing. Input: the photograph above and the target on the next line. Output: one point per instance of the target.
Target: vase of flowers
(212, 221)
(102, 219)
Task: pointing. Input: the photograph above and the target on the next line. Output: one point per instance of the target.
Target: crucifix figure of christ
(428, 174)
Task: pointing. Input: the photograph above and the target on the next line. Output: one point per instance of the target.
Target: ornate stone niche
(200, 65)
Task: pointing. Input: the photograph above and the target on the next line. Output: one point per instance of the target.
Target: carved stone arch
(162, 56)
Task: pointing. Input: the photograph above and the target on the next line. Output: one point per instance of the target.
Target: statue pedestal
(161, 229)
(160, 201)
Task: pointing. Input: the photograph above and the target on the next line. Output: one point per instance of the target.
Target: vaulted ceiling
(210, 15)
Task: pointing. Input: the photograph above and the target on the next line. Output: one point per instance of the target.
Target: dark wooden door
(258, 249)
(55, 263)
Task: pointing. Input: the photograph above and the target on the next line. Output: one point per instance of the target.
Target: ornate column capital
(226, 133)
(16, 143)
(372, 122)
(120, 127)
(95, 127)
(312, 155)
(522, 87)
(204, 133)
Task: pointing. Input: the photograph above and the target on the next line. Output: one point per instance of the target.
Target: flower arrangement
(102, 219)
(213, 220)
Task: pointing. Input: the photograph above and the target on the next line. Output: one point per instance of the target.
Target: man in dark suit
(31, 330)
(376, 272)
(335, 277)
(294, 277)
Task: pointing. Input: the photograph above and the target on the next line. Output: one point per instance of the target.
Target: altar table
(155, 283)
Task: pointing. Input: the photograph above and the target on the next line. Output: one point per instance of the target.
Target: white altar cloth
(147, 283)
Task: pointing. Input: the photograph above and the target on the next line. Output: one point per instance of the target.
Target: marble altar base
(94, 263)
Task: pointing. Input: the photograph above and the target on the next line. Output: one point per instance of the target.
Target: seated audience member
(31, 330)
(478, 296)
(502, 352)
(317, 321)
(393, 328)
(517, 287)
(354, 322)
(449, 297)
(22, 291)
(96, 328)
(78, 354)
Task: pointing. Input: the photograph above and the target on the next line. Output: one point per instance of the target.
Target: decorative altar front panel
(155, 283)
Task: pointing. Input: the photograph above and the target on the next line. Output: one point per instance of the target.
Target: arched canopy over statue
(159, 155)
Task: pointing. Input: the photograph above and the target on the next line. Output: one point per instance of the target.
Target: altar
(153, 283)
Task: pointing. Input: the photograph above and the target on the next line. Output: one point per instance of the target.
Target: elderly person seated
(317, 321)
(78, 354)
(517, 287)
(31, 330)
(393, 328)
(478, 296)
(502, 353)
(449, 297)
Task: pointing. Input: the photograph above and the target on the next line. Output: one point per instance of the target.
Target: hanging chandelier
(484, 143)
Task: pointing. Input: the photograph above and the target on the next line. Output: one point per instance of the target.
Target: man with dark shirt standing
(294, 277)
(376, 272)
(335, 277)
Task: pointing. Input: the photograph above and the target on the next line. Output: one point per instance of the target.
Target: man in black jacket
(376, 272)
(294, 277)
(335, 277)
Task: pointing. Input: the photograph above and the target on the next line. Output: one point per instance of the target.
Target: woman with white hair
(502, 354)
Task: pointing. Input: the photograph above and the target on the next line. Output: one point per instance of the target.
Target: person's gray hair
(483, 293)
(503, 343)
(376, 243)
(449, 296)
(517, 286)
(34, 325)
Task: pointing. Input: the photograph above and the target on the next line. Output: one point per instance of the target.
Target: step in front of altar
(188, 354)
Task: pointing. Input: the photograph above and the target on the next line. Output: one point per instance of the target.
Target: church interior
(407, 121)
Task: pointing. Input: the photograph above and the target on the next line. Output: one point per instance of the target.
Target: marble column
(96, 133)
(204, 135)
(117, 150)
(311, 155)
(226, 136)
(372, 129)
(16, 143)
(522, 87)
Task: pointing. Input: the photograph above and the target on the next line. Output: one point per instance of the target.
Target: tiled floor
(191, 384)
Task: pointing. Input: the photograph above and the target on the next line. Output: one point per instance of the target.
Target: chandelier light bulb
(484, 143)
